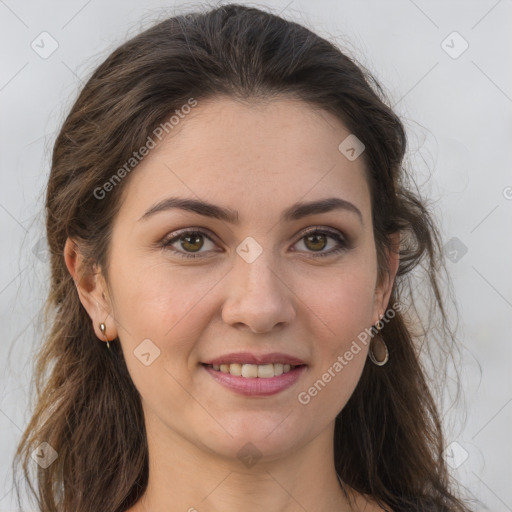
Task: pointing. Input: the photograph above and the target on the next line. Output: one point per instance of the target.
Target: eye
(191, 242)
(316, 240)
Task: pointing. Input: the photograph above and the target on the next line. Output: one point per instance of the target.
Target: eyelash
(343, 245)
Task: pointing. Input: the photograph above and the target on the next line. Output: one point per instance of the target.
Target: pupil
(196, 240)
(317, 237)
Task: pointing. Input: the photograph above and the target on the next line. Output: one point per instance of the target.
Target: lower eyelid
(341, 242)
(168, 241)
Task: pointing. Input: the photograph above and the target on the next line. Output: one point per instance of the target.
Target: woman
(231, 239)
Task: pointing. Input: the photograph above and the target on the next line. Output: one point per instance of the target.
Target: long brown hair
(388, 438)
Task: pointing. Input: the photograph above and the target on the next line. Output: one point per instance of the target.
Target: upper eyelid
(301, 234)
(325, 229)
(171, 236)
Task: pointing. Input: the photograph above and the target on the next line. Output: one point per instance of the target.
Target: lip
(256, 386)
(248, 358)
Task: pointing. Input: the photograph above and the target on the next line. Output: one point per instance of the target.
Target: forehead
(251, 153)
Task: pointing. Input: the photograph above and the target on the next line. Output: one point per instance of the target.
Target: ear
(385, 286)
(92, 290)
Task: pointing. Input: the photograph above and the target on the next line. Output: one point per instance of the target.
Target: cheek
(341, 299)
(154, 299)
(162, 304)
(340, 307)
(340, 350)
(170, 306)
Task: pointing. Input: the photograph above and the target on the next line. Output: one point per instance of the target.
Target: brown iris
(191, 240)
(316, 244)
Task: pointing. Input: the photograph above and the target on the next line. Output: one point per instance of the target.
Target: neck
(187, 477)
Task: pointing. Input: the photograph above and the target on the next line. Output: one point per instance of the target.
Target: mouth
(253, 371)
(255, 379)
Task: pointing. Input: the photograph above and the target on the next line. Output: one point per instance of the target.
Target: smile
(255, 380)
(252, 371)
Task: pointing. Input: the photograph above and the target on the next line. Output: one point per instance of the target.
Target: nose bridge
(257, 295)
(255, 274)
(257, 278)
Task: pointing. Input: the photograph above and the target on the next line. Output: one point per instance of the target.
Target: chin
(254, 435)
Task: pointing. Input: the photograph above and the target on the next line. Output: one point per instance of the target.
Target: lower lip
(257, 386)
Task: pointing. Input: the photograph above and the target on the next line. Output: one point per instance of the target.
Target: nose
(259, 297)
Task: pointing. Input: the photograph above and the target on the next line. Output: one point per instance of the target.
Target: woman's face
(260, 287)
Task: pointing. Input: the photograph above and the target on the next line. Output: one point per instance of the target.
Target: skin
(257, 158)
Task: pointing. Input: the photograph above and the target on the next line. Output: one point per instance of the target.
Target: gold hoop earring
(103, 329)
(383, 360)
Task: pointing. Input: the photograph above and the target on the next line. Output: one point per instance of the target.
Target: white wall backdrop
(446, 65)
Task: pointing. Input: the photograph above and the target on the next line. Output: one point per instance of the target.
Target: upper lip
(248, 358)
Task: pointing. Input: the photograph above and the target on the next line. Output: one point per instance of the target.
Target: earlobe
(91, 289)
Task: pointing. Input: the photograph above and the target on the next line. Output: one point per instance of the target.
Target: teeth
(251, 371)
(265, 371)
(234, 369)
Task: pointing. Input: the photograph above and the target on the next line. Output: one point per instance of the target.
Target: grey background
(457, 109)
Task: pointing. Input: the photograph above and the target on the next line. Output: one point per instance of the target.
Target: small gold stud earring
(103, 329)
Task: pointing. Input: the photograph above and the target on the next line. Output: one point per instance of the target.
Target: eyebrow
(295, 212)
